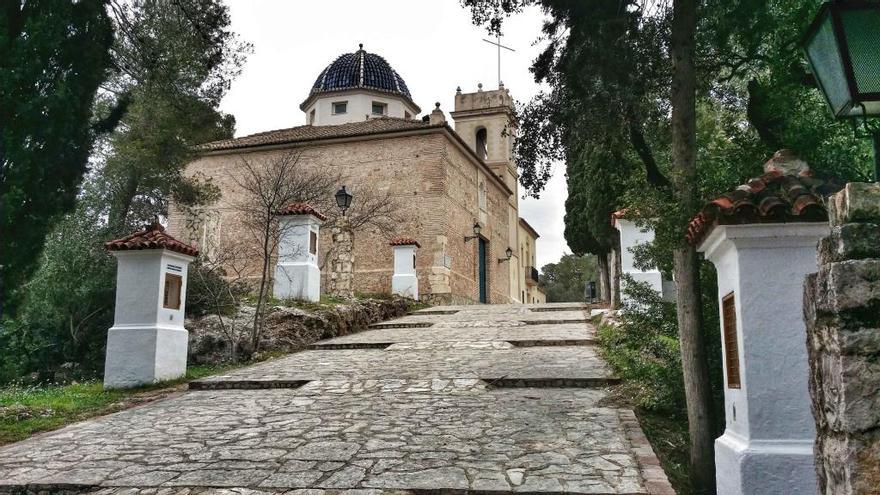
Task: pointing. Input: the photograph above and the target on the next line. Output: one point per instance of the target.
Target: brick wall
(435, 185)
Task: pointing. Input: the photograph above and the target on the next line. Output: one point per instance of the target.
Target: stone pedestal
(404, 282)
(842, 310)
(767, 443)
(148, 342)
(341, 280)
(297, 275)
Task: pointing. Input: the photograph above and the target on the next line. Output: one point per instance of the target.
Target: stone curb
(652, 473)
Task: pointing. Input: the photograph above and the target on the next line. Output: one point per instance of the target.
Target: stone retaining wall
(289, 329)
(842, 311)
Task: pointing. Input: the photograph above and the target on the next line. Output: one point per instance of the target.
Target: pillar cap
(153, 236)
(788, 191)
(301, 209)
(405, 241)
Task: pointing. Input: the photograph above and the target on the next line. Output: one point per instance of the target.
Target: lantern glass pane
(862, 30)
(824, 56)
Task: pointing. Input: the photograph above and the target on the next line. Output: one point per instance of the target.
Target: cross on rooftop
(498, 44)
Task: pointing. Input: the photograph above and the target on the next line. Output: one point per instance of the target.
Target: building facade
(530, 289)
(362, 127)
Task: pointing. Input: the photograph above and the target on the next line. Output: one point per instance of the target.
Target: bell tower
(486, 121)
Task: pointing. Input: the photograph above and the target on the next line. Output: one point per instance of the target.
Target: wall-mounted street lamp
(509, 253)
(343, 199)
(477, 229)
(841, 46)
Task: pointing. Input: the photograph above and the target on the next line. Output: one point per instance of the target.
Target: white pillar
(404, 282)
(148, 342)
(631, 236)
(767, 445)
(297, 275)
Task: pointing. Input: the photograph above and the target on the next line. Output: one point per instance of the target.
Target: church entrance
(482, 271)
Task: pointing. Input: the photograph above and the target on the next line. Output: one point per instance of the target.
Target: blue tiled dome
(360, 70)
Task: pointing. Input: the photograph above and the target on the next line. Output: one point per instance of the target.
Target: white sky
(432, 44)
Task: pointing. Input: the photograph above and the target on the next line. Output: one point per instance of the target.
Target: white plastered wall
(148, 342)
(404, 282)
(358, 109)
(297, 275)
(631, 236)
(767, 444)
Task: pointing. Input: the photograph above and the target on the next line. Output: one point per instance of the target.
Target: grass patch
(26, 410)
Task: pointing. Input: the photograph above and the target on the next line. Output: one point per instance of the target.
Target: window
(379, 108)
(731, 349)
(414, 261)
(173, 284)
(407, 115)
(313, 242)
(481, 148)
(340, 107)
(312, 117)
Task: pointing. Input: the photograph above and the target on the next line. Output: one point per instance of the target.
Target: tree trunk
(264, 276)
(694, 361)
(604, 278)
(616, 269)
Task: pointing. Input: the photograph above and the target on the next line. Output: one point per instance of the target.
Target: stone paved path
(459, 399)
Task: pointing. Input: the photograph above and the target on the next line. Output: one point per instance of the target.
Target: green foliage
(644, 349)
(208, 291)
(173, 62)
(53, 56)
(67, 306)
(565, 280)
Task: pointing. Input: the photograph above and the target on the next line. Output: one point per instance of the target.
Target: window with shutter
(173, 285)
(731, 345)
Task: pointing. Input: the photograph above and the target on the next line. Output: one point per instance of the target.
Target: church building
(455, 183)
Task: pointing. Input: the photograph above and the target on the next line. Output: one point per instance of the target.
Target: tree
(268, 184)
(566, 279)
(53, 57)
(694, 360)
(170, 62)
(174, 61)
(217, 286)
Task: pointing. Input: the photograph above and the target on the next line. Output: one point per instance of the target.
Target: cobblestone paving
(551, 333)
(420, 415)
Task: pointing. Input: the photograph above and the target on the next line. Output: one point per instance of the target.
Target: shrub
(644, 348)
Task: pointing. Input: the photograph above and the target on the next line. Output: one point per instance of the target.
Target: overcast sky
(432, 44)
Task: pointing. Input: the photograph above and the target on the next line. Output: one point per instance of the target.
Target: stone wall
(289, 329)
(842, 311)
(432, 180)
(461, 208)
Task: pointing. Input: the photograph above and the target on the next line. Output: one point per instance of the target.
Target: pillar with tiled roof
(297, 275)
(148, 342)
(762, 239)
(404, 282)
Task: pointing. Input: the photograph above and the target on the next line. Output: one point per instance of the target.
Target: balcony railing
(531, 275)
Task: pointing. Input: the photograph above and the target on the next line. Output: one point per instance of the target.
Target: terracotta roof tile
(405, 241)
(152, 237)
(777, 196)
(307, 133)
(301, 209)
